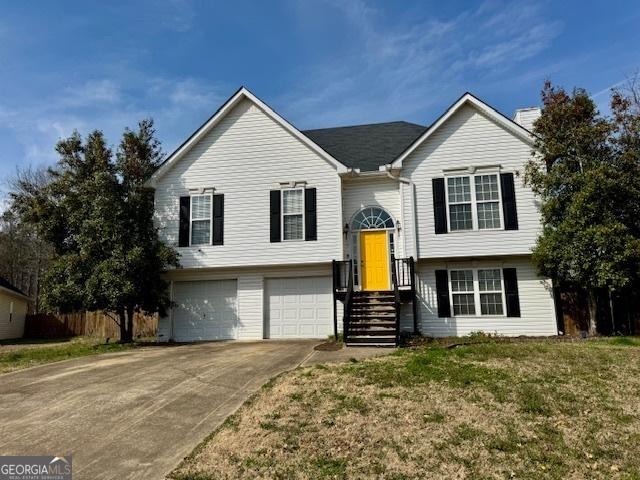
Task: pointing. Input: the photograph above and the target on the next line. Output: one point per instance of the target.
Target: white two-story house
(370, 229)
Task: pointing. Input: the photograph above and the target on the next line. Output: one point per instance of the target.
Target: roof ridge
(365, 125)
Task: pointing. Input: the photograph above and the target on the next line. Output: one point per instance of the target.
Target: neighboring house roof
(236, 98)
(6, 285)
(467, 99)
(366, 147)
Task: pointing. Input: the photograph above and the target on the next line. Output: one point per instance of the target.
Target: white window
(490, 289)
(474, 202)
(470, 288)
(487, 201)
(459, 195)
(462, 292)
(293, 214)
(200, 224)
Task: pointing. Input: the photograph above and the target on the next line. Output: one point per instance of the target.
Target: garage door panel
(206, 310)
(299, 307)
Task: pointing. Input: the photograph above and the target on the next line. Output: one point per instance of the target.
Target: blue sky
(85, 65)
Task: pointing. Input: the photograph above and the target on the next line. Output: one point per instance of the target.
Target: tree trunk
(122, 318)
(611, 312)
(130, 313)
(593, 313)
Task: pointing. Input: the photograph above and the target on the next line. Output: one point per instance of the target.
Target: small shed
(13, 310)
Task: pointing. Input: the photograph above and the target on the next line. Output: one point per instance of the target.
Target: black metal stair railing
(396, 293)
(348, 303)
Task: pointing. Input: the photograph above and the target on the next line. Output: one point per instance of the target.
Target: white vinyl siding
(13, 311)
(250, 303)
(535, 295)
(246, 156)
(469, 140)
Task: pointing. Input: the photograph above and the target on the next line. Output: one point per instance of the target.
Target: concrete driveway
(135, 414)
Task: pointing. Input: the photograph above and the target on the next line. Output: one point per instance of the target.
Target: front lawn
(493, 410)
(29, 356)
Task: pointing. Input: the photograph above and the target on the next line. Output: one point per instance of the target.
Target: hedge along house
(369, 229)
(13, 310)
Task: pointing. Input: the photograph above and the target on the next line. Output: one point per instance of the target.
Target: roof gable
(227, 107)
(466, 99)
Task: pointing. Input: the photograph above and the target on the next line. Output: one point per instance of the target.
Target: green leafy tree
(97, 213)
(590, 197)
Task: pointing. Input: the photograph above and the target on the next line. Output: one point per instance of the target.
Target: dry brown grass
(535, 410)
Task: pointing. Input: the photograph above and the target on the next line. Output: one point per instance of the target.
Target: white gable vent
(526, 116)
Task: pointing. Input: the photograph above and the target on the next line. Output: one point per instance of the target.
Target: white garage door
(205, 310)
(299, 307)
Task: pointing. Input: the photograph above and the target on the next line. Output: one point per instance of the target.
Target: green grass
(35, 341)
(79, 347)
(489, 409)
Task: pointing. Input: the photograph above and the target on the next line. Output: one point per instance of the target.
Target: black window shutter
(275, 215)
(439, 205)
(185, 218)
(310, 219)
(511, 292)
(442, 293)
(218, 219)
(509, 210)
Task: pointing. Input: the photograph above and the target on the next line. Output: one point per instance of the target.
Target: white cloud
(177, 105)
(400, 66)
(91, 93)
(179, 15)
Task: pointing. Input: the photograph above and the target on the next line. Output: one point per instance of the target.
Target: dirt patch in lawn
(492, 410)
(330, 346)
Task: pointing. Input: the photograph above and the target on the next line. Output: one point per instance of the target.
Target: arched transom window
(372, 217)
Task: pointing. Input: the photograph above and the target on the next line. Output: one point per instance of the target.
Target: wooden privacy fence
(616, 313)
(98, 324)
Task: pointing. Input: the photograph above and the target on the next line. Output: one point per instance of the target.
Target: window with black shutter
(274, 215)
(310, 216)
(512, 297)
(185, 218)
(218, 219)
(439, 205)
(509, 209)
(442, 293)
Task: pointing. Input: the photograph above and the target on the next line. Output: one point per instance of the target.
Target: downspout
(406, 181)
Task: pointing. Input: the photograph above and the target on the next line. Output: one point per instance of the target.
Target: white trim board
(235, 99)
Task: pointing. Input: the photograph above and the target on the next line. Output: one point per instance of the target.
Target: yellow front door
(374, 258)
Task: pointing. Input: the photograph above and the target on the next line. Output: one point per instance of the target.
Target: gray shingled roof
(366, 146)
